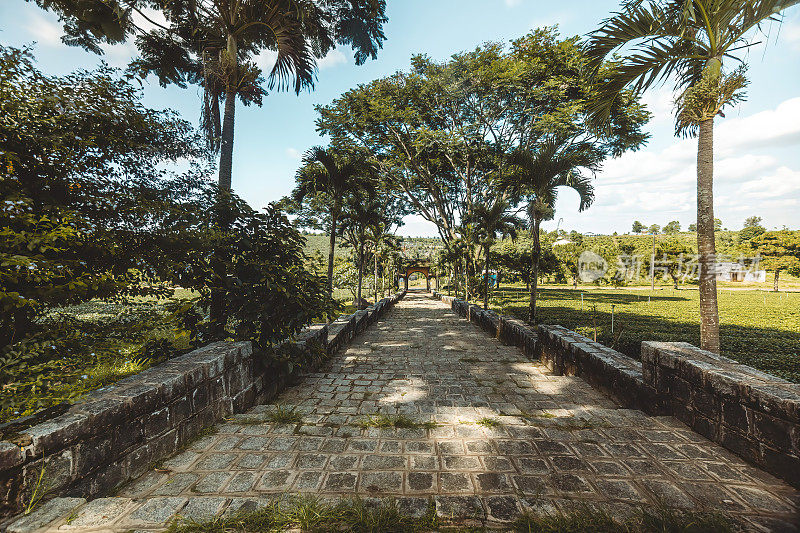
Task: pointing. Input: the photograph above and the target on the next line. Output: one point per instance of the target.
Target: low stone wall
(753, 414)
(509, 330)
(117, 433)
(566, 353)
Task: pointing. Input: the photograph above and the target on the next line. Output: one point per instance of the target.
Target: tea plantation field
(758, 328)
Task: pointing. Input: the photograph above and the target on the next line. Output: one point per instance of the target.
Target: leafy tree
(671, 256)
(443, 130)
(717, 224)
(324, 183)
(79, 194)
(749, 233)
(489, 222)
(87, 215)
(212, 43)
(685, 40)
(655, 229)
(781, 251)
(568, 256)
(637, 227)
(537, 175)
(362, 213)
(692, 227)
(672, 227)
(753, 222)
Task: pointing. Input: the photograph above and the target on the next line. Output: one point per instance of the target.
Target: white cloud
(293, 153)
(772, 128)
(790, 32)
(333, 59)
(754, 174)
(782, 183)
(266, 60)
(513, 3)
(44, 30)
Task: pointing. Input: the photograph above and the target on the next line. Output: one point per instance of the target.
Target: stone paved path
(510, 436)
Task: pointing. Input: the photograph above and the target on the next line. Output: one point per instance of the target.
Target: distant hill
(413, 247)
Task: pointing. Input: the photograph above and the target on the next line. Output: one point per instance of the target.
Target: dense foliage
(442, 132)
(92, 208)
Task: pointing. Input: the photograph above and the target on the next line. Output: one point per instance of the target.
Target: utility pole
(653, 266)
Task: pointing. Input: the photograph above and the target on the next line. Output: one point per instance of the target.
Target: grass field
(758, 328)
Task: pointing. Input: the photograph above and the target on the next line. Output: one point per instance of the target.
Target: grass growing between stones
(643, 521)
(283, 415)
(399, 421)
(312, 515)
(489, 422)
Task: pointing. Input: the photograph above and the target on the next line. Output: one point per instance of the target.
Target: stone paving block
(176, 484)
(275, 480)
(48, 512)
(459, 507)
(242, 482)
(202, 509)
(211, 483)
(455, 482)
(381, 482)
(503, 508)
(308, 481)
(252, 460)
(98, 513)
(421, 482)
(340, 482)
(155, 512)
(217, 461)
(383, 462)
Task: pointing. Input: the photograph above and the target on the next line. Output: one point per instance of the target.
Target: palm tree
(332, 178)
(686, 40)
(488, 222)
(360, 213)
(212, 43)
(536, 175)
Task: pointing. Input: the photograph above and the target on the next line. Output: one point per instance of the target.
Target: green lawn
(758, 328)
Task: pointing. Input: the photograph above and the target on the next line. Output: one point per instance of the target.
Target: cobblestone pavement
(509, 436)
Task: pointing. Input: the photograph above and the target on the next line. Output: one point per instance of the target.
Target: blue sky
(758, 144)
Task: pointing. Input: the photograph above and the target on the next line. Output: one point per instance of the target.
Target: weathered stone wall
(117, 433)
(753, 414)
(566, 353)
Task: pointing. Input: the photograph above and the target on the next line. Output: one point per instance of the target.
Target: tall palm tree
(333, 178)
(213, 43)
(489, 221)
(536, 175)
(687, 40)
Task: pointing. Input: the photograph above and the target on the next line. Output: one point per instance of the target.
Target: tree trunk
(466, 280)
(376, 275)
(217, 311)
(486, 281)
(777, 273)
(706, 245)
(332, 250)
(226, 146)
(360, 270)
(537, 252)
